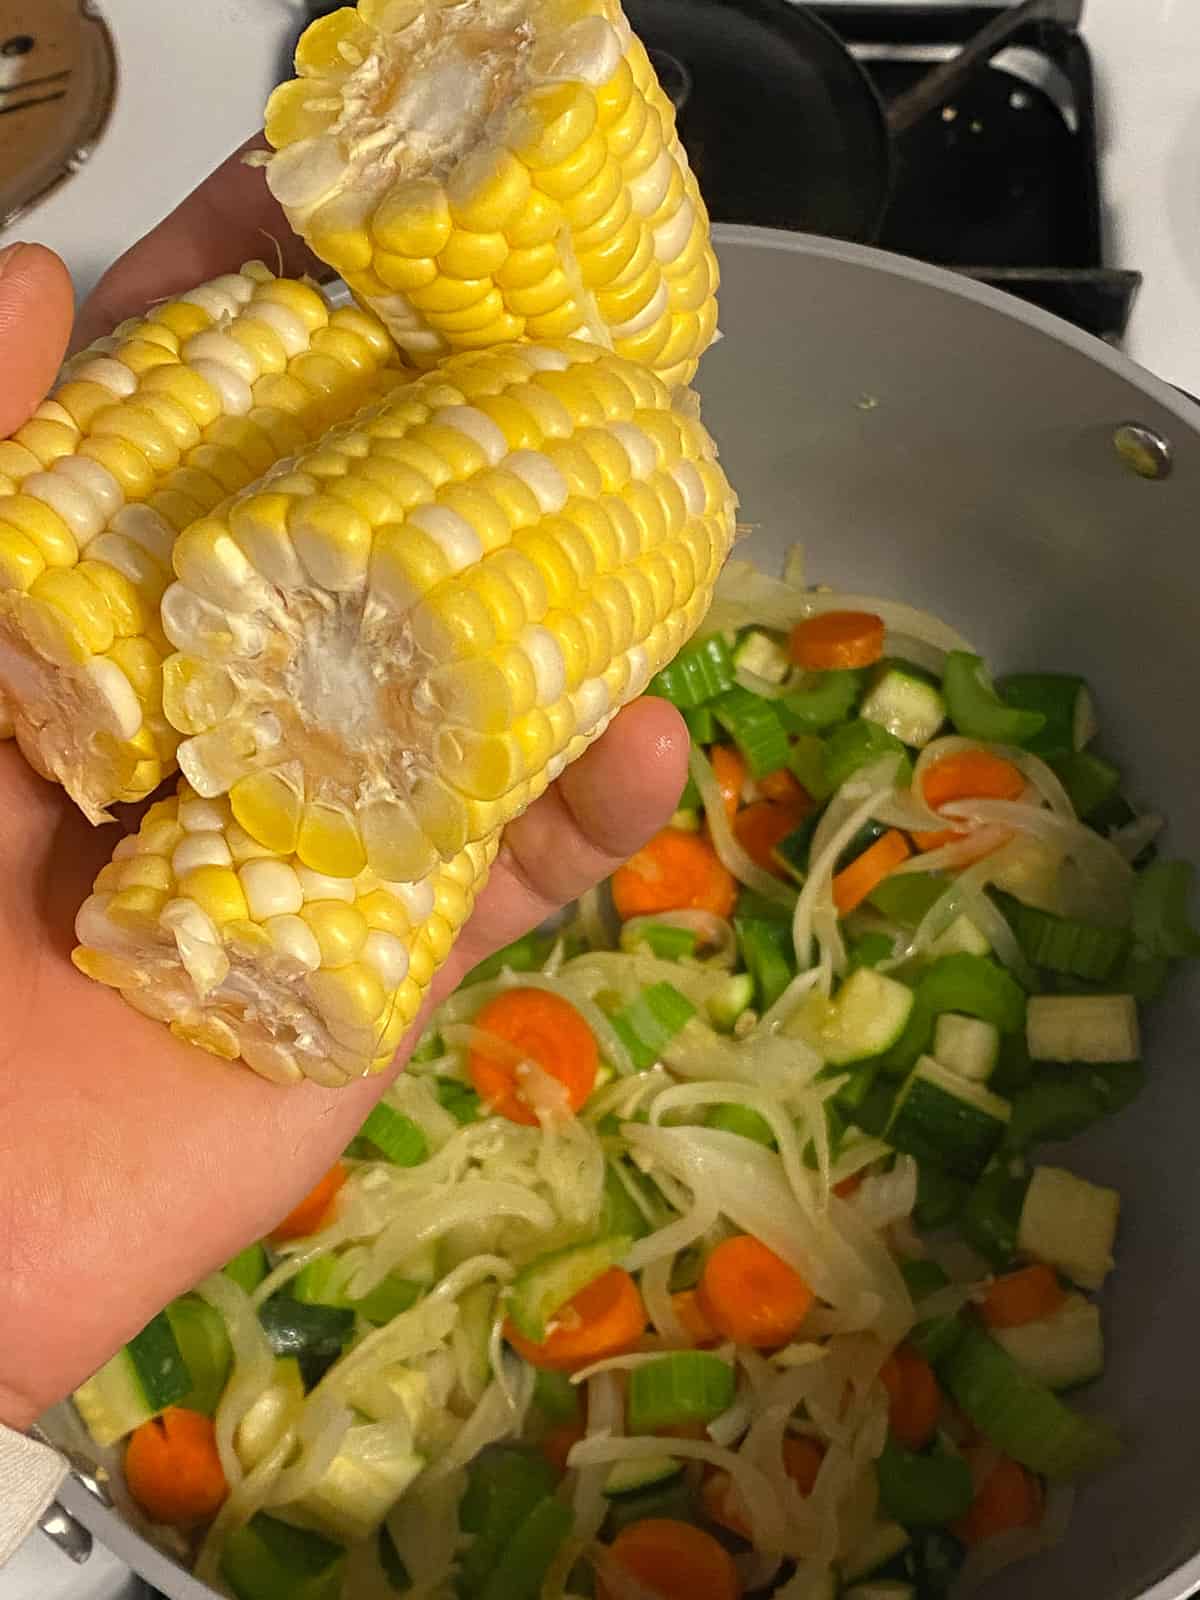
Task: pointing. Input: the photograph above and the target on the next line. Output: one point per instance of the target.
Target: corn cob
(489, 170)
(390, 651)
(248, 953)
(148, 430)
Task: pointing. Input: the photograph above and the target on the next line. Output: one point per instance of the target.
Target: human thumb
(37, 307)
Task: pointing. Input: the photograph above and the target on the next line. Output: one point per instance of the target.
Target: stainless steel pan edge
(931, 438)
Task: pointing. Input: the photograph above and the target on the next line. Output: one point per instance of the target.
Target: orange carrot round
(173, 1470)
(537, 1026)
(674, 1561)
(750, 1295)
(1019, 1297)
(836, 640)
(676, 871)
(848, 1186)
(697, 1326)
(312, 1212)
(557, 1445)
(781, 787)
(914, 1399)
(729, 769)
(604, 1319)
(866, 872)
(966, 775)
(1009, 1497)
(758, 828)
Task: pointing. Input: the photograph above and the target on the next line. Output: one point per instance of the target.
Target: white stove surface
(157, 147)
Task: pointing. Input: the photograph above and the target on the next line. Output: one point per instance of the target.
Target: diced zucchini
(961, 937)
(883, 1543)
(919, 1489)
(1061, 1350)
(726, 1004)
(315, 1334)
(966, 1045)
(204, 1344)
(865, 1018)
(145, 1377)
(948, 1120)
(271, 1560)
(545, 1285)
(904, 701)
(1070, 1224)
(1083, 1027)
(647, 1472)
(758, 653)
(362, 1483)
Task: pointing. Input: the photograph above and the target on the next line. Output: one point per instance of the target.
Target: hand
(132, 1165)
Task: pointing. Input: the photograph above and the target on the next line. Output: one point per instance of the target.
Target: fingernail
(10, 252)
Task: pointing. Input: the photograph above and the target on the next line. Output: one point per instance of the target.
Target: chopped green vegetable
(547, 1283)
(1161, 924)
(1052, 1107)
(1089, 780)
(266, 1559)
(869, 949)
(806, 763)
(908, 897)
(920, 1490)
(856, 744)
(662, 939)
(1083, 1027)
(820, 700)
(702, 726)
(526, 954)
(204, 1345)
(975, 708)
(648, 1023)
(683, 1387)
(977, 987)
(992, 1213)
(1062, 944)
(946, 1119)
(904, 700)
(755, 727)
(768, 954)
(505, 1483)
(395, 1135)
(459, 1099)
(315, 1334)
(940, 1196)
(248, 1268)
(700, 672)
(727, 1003)
(744, 1121)
(521, 1569)
(1065, 704)
(555, 1396)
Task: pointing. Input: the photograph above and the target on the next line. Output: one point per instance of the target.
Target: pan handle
(937, 86)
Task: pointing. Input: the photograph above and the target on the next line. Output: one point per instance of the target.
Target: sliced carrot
(173, 1469)
(1019, 1297)
(676, 871)
(848, 1186)
(837, 640)
(914, 1398)
(1009, 1497)
(532, 1025)
(781, 787)
(966, 775)
(802, 1460)
(673, 1561)
(313, 1211)
(690, 1313)
(557, 1445)
(752, 1296)
(605, 1319)
(758, 828)
(854, 883)
(729, 769)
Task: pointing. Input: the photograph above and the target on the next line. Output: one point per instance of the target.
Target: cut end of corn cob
(247, 953)
(489, 170)
(146, 431)
(390, 650)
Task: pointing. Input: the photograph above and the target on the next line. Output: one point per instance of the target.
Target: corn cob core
(248, 953)
(392, 649)
(146, 431)
(497, 169)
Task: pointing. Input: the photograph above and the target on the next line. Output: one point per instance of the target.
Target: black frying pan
(781, 124)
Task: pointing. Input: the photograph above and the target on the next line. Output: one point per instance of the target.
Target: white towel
(30, 1475)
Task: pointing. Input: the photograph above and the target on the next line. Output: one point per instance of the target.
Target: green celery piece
(923, 1277)
(861, 1077)
(683, 1387)
(992, 1213)
(1115, 1084)
(248, 1268)
(521, 1569)
(1161, 923)
(1088, 779)
(768, 955)
(459, 1099)
(662, 939)
(907, 898)
(922, 1490)
(526, 954)
(1142, 975)
(271, 1560)
(875, 1112)
(504, 1484)
(806, 763)
(398, 1137)
(977, 711)
(1054, 696)
(702, 725)
(1056, 1105)
(204, 1345)
(940, 1196)
(742, 1120)
(820, 700)
(649, 1022)
(976, 986)
(619, 1213)
(757, 908)
(1014, 1070)
(556, 1397)
(701, 671)
(856, 744)
(1062, 944)
(868, 950)
(429, 1047)
(388, 1299)
(1020, 1415)
(755, 727)
(935, 1337)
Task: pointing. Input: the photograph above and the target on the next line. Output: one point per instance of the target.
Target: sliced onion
(656, 1295)
(713, 934)
(728, 849)
(1093, 854)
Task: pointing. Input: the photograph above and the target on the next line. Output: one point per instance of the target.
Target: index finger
(231, 218)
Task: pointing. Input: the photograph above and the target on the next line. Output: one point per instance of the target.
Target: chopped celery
(1021, 1416)
(395, 1136)
(662, 939)
(860, 1080)
(1014, 1070)
(1062, 944)
(619, 1212)
(975, 708)
(429, 1047)
(936, 1336)
(874, 1113)
(649, 1023)
(315, 1334)
(702, 725)
(856, 744)
(700, 672)
(1053, 1107)
(548, 1282)
(1088, 779)
(869, 949)
(923, 1277)
(1115, 1084)
(758, 908)
(742, 1120)
(1161, 924)
(768, 954)
(992, 1213)
(504, 1484)
(1065, 704)
(820, 700)
(976, 986)
(248, 1268)
(906, 899)
(525, 1560)
(204, 1345)
(684, 1387)
(459, 1099)
(726, 1004)
(940, 1196)
(266, 1559)
(526, 954)
(755, 727)
(921, 1490)
(806, 763)
(555, 1396)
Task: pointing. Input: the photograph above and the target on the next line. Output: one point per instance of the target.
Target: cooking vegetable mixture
(704, 1248)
